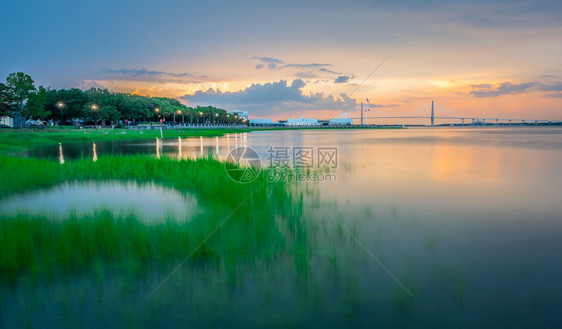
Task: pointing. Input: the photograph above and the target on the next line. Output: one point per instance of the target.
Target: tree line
(20, 98)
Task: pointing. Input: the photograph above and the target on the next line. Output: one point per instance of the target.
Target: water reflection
(149, 202)
(61, 156)
(481, 168)
(217, 151)
(95, 156)
(158, 147)
(179, 149)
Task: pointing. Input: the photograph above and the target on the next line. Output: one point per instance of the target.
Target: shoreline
(23, 138)
(13, 140)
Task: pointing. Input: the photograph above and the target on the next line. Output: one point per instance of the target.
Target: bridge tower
(361, 113)
(432, 114)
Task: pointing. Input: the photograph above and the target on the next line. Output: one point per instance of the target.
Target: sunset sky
(280, 59)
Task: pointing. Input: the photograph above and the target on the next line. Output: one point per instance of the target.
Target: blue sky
(491, 57)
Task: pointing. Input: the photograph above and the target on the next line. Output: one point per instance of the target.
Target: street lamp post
(94, 108)
(201, 115)
(156, 110)
(60, 105)
(180, 112)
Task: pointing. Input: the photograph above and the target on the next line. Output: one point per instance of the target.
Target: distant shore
(18, 139)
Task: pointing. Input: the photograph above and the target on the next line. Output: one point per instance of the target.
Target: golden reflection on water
(95, 156)
(61, 156)
(453, 163)
(179, 148)
(456, 169)
(158, 145)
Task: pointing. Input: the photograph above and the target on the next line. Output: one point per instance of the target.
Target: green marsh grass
(38, 245)
(275, 242)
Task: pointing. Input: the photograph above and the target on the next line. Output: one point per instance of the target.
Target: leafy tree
(135, 107)
(4, 100)
(19, 88)
(19, 96)
(110, 113)
(101, 105)
(73, 101)
(36, 105)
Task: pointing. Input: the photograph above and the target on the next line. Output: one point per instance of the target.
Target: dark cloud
(483, 85)
(306, 75)
(555, 88)
(278, 64)
(551, 87)
(382, 105)
(311, 65)
(329, 71)
(269, 60)
(505, 88)
(342, 79)
(272, 98)
(141, 72)
(554, 95)
(87, 84)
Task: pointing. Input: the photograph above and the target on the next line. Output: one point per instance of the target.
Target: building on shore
(8, 121)
(15, 121)
(302, 122)
(264, 123)
(341, 122)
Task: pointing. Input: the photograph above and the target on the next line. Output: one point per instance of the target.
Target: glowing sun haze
(278, 59)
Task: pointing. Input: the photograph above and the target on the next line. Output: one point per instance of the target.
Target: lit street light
(182, 118)
(60, 105)
(94, 108)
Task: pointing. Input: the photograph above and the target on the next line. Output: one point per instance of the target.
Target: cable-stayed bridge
(432, 111)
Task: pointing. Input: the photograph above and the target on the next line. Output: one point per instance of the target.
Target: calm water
(148, 202)
(426, 228)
